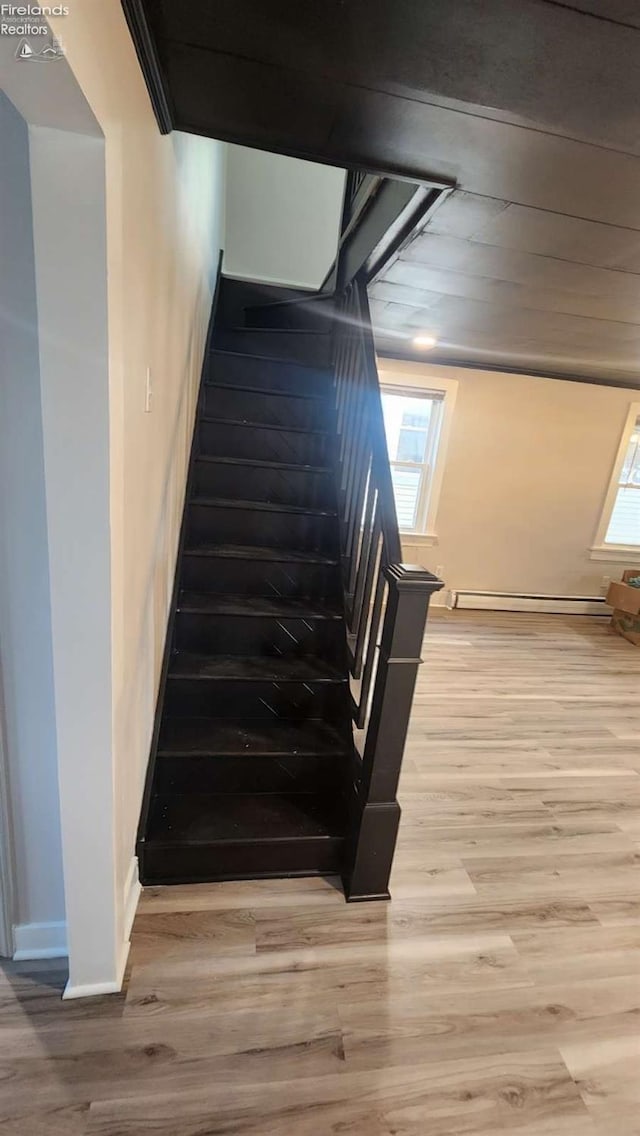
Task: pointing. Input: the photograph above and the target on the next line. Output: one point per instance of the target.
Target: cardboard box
(623, 597)
(625, 601)
(626, 625)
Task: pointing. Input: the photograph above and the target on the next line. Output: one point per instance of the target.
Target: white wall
(26, 662)
(528, 467)
(165, 216)
(67, 177)
(283, 218)
(128, 231)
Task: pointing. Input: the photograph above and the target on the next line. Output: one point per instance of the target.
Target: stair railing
(386, 603)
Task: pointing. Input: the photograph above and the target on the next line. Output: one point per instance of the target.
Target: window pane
(624, 526)
(420, 420)
(406, 489)
(411, 445)
(402, 416)
(631, 468)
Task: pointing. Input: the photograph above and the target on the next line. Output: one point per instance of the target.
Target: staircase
(254, 750)
(294, 628)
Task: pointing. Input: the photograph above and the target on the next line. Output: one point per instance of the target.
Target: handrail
(386, 601)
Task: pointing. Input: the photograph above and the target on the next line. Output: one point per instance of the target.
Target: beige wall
(527, 469)
(165, 219)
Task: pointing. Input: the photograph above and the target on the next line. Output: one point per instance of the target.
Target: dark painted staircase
(254, 747)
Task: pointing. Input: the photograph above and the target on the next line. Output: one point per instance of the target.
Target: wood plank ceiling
(531, 108)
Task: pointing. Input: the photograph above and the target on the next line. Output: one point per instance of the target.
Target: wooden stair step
(229, 737)
(217, 836)
(276, 392)
(264, 463)
(261, 668)
(212, 818)
(260, 506)
(210, 603)
(245, 422)
(249, 552)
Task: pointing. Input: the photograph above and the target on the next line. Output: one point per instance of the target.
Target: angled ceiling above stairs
(530, 109)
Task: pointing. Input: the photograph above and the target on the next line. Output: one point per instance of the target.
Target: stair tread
(217, 818)
(244, 668)
(277, 330)
(226, 351)
(263, 463)
(259, 506)
(211, 603)
(251, 552)
(246, 388)
(258, 425)
(228, 737)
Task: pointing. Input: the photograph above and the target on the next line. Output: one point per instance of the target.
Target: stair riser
(257, 483)
(294, 346)
(237, 295)
(315, 315)
(190, 863)
(261, 529)
(264, 774)
(253, 636)
(259, 578)
(272, 375)
(286, 410)
(223, 440)
(224, 698)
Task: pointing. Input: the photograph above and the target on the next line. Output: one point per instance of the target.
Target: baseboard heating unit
(529, 601)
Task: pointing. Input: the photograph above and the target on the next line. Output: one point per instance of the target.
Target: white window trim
(418, 380)
(616, 553)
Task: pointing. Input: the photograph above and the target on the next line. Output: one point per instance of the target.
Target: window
(619, 529)
(413, 421)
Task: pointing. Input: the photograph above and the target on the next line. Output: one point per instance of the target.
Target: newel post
(375, 813)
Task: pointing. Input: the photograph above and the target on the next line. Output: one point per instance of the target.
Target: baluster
(353, 584)
(353, 512)
(363, 595)
(352, 416)
(349, 417)
(371, 649)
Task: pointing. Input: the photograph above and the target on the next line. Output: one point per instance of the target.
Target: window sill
(616, 554)
(418, 538)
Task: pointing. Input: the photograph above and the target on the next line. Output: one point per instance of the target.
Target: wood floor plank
(498, 994)
(473, 1095)
(411, 1030)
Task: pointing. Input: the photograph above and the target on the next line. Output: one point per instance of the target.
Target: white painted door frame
(68, 192)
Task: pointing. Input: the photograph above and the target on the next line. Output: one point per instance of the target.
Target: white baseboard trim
(90, 990)
(440, 599)
(531, 602)
(39, 941)
(94, 989)
(131, 895)
(132, 891)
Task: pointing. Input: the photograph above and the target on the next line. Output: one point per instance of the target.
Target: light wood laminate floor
(498, 993)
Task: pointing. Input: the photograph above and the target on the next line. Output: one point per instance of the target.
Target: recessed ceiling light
(424, 341)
